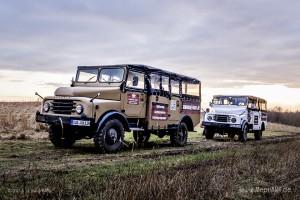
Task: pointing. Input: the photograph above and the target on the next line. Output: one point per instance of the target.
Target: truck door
(134, 98)
(255, 114)
(159, 102)
(175, 103)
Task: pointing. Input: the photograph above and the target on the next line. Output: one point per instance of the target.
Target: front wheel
(243, 133)
(179, 138)
(110, 138)
(58, 139)
(209, 133)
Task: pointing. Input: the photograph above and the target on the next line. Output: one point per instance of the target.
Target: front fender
(113, 115)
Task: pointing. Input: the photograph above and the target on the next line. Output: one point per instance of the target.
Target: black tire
(231, 135)
(179, 137)
(55, 136)
(110, 137)
(209, 133)
(141, 137)
(243, 133)
(258, 135)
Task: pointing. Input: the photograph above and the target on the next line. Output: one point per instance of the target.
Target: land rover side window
(155, 81)
(175, 87)
(252, 104)
(193, 89)
(87, 75)
(135, 80)
(165, 83)
(184, 85)
(111, 75)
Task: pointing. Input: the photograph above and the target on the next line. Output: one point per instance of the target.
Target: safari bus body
(236, 115)
(104, 102)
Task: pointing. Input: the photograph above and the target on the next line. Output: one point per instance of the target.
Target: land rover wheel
(258, 135)
(141, 137)
(110, 137)
(209, 133)
(243, 133)
(179, 137)
(55, 136)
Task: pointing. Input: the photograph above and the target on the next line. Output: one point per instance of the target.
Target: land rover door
(159, 100)
(254, 117)
(175, 102)
(134, 96)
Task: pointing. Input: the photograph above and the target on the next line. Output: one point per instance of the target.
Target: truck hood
(229, 110)
(90, 92)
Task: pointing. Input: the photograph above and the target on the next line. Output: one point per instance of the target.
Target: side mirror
(210, 104)
(72, 82)
(135, 81)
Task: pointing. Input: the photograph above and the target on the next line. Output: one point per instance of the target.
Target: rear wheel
(141, 137)
(59, 140)
(258, 135)
(110, 137)
(179, 138)
(243, 133)
(209, 133)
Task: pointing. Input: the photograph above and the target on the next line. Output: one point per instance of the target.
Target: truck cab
(104, 102)
(235, 115)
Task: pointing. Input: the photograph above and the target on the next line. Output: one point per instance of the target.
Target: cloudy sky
(233, 46)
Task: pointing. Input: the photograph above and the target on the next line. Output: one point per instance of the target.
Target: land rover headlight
(46, 107)
(233, 120)
(79, 109)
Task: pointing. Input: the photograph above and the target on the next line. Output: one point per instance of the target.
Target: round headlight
(209, 118)
(233, 120)
(46, 107)
(79, 109)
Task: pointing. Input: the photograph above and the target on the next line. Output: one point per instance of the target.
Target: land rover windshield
(228, 100)
(102, 75)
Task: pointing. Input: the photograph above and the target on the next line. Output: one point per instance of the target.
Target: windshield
(111, 75)
(87, 75)
(104, 75)
(227, 100)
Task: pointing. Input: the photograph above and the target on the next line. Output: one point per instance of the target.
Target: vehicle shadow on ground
(89, 148)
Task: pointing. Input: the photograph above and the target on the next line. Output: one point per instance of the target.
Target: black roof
(149, 69)
(249, 96)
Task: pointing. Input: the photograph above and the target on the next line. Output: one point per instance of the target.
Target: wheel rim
(111, 136)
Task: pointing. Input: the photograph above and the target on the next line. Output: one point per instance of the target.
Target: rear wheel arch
(188, 121)
(109, 115)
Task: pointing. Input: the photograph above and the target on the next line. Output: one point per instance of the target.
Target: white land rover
(235, 115)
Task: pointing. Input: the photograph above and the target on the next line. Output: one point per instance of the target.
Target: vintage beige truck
(104, 102)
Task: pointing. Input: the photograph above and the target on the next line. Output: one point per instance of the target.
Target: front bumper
(221, 125)
(49, 119)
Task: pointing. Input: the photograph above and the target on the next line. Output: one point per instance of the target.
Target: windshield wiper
(89, 80)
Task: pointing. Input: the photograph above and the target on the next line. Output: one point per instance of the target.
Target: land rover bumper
(72, 121)
(221, 125)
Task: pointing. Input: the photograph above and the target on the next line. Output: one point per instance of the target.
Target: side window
(175, 87)
(252, 104)
(165, 83)
(135, 80)
(155, 81)
(183, 86)
(193, 89)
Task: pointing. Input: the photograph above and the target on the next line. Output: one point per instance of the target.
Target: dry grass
(251, 172)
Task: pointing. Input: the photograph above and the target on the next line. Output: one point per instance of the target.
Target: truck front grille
(221, 118)
(63, 107)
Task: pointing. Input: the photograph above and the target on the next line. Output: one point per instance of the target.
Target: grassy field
(31, 168)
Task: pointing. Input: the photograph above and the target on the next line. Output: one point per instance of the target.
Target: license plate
(75, 122)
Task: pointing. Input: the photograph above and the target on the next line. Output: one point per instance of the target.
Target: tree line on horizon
(278, 115)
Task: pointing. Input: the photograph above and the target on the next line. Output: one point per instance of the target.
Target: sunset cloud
(254, 42)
